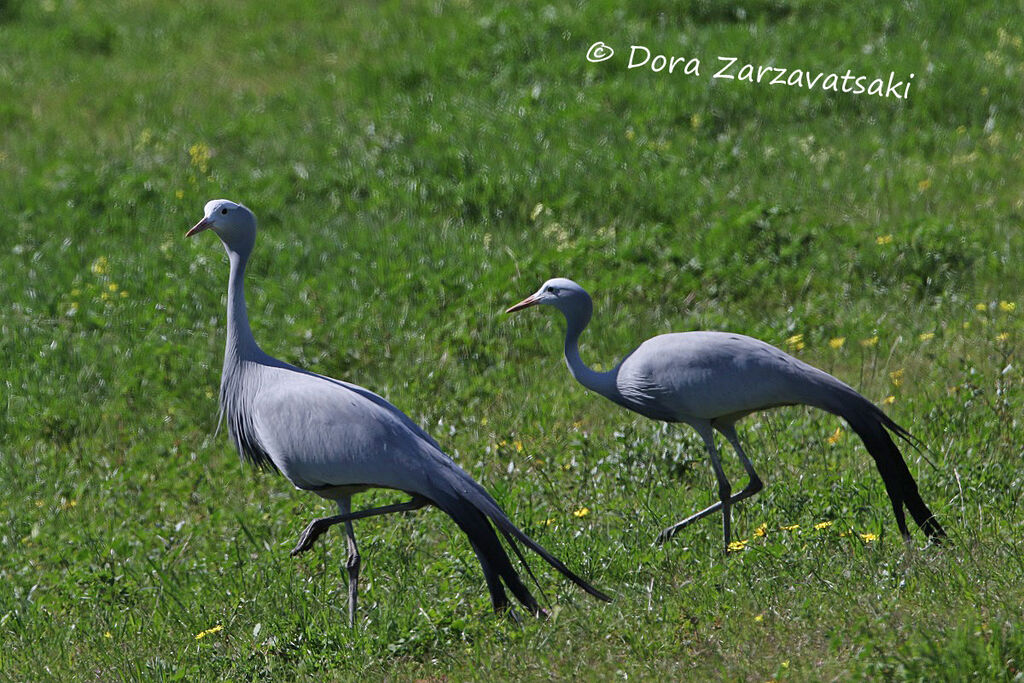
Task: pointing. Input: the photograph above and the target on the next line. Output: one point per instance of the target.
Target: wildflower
(582, 512)
(960, 130)
(791, 527)
(889, 400)
(759, 618)
(108, 634)
(199, 153)
(883, 239)
(99, 266)
(549, 521)
(761, 530)
(869, 342)
(836, 342)
(68, 504)
(1007, 306)
(982, 307)
(209, 632)
(868, 537)
(897, 377)
(124, 294)
(483, 421)
(924, 185)
(926, 336)
(796, 342)
(112, 286)
(822, 525)
(179, 194)
(1002, 336)
(519, 445)
(736, 546)
(834, 439)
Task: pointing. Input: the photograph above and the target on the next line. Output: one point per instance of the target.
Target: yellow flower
(889, 400)
(68, 504)
(124, 294)
(834, 439)
(519, 445)
(822, 525)
(582, 512)
(897, 377)
(179, 194)
(870, 341)
(981, 307)
(737, 545)
(960, 130)
(1002, 336)
(791, 527)
(1007, 306)
(549, 521)
(108, 634)
(200, 155)
(483, 421)
(926, 336)
(99, 266)
(836, 342)
(796, 342)
(761, 530)
(883, 239)
(869, 537)
(209, 632)
(112, 286)
(759, 618)
(924, 184)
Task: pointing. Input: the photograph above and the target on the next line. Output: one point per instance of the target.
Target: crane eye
(224, 210)
(553, 290)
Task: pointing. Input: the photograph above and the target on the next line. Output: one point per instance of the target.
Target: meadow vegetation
(416, 168)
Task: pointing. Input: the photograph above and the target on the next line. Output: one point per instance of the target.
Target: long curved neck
(240, 344)
(576, 320)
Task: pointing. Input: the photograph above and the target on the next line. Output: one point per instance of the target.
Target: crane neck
(601, 382)
(240, 344)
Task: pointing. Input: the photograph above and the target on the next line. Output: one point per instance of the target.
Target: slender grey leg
(724, 493)
(752, 487)
(353, 562)
(319, 526)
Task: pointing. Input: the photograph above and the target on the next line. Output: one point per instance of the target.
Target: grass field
(418, 167)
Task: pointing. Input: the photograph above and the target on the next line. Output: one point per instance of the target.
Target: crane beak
(199, 227)
(525, 303)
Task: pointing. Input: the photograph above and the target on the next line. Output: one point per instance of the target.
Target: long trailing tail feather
(474, 510)
(871, 425)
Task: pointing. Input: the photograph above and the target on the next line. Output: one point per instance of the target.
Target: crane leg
(319, 526)
(353, 562)
(725, 499)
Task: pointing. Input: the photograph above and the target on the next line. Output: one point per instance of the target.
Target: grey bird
(337, 439)
(709, 380)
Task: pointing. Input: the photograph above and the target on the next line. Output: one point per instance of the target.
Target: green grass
(418, 167)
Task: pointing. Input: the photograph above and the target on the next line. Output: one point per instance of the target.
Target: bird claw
(307, 539)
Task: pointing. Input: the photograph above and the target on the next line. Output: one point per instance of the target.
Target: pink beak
(199, 227)
(525, 303)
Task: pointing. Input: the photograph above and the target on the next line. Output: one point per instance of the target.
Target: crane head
(233, 223)
(560, 292)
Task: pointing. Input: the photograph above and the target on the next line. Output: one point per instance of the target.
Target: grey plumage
(337, 439)
(710, 380)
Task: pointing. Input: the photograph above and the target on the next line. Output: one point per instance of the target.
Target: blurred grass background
(417, 167)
